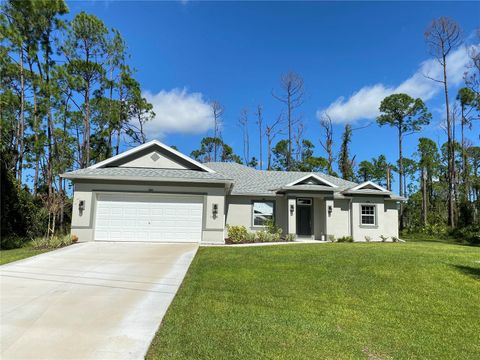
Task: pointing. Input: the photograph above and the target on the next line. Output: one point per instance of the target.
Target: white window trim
(253, 213)
(375, 216)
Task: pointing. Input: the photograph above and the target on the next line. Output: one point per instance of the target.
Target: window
(367, 216)
(262, 212)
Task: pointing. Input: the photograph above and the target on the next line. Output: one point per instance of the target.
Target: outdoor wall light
(292, 209)
(215, 210)
(81, 206)
(330, 209)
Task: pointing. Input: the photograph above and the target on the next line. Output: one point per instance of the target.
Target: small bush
(384, 238)
(345, 239)
(55, 242)
(331, 238)
(74, 238)
(290, 237)
(251, 237)
(395, 239)
(266, 236)
(368, 238)
(236, 233)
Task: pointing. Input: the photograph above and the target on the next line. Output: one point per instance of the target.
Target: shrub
(290, 237)
(74, 238)
(395, 239)
(345, 239)
(11, 242)
(237, 233)
(251, 237)
(272, 228)
(384, 238)
(54, 242)
(331, 238)
(266, 236)
(470, 234)
(368, 238)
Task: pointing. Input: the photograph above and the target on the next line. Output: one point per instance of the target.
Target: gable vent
(155, 157)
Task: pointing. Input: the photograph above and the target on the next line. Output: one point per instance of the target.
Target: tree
(206, 151)
(271, 131)
(327, 144)
(292, 97)
(217, 112)
(243, 124)
(443, 35)
(408, 115)
(429, 163)
(345, 163)
(85, 49)
(377, 171)
(467, 98)
(260, 134)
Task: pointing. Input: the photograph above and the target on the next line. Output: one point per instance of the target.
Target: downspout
(350, 209)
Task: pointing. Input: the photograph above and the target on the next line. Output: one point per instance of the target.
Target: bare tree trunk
(424, 196)
(389, 185)
(22, 120)
(35, 130)
(260, 133)
(400, 161)
(451, 169)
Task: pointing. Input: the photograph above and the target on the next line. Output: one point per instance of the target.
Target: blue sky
(189, 53)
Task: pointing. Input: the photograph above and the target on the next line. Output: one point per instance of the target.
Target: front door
(304, 216)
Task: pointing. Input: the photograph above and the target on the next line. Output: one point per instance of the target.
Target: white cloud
(178, 111)
(364, 103)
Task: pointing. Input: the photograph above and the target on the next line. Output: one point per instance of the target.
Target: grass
(7, 256)
(329, 301)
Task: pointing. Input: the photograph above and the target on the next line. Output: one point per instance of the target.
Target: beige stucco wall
(83, 223)
(239, 211)
(146, 161)
(338, 221)
(387, 219)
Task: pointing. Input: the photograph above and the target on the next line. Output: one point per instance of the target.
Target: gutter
(146, 179)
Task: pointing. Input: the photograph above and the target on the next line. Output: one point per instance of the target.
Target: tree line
(68, 99)
(441, 181)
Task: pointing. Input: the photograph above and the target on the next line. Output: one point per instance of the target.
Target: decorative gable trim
(367, 184)
(145, 146)
(316, 177)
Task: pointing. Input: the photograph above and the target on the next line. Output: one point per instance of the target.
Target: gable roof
(249, 181)
(311, 176)
(368, 185)
(151, 144)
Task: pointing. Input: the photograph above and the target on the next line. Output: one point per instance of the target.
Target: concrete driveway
(89, 301)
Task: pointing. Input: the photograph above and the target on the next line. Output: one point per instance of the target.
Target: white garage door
(160, 218)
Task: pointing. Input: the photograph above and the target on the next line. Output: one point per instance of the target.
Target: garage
(148, 217)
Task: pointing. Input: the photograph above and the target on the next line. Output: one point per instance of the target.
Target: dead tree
(292, 96)
(217, 111)
(327, 144)
(443, 35)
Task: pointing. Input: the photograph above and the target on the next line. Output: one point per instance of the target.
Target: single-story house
(155, 193)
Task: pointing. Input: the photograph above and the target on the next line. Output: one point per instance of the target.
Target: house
(155, 193)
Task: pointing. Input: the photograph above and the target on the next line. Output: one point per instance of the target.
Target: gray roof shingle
(126, 173)
(251, 181)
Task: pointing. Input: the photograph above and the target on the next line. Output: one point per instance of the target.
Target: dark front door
(304, 219)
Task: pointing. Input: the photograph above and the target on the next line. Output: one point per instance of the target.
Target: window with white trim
(262, 212)
(367, 215)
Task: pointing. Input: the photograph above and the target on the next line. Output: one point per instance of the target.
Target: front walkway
(89, 301)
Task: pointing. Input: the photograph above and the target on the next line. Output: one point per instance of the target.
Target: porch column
(292, 216)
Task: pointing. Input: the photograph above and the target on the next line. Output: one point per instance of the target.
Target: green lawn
(7, 256)
(326, 301)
